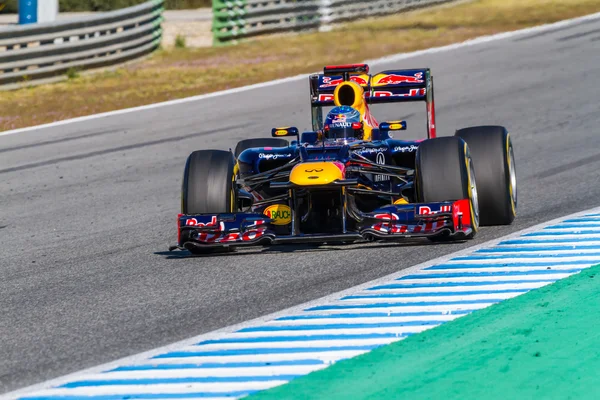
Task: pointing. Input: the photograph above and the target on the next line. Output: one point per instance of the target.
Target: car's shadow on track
(300, 248)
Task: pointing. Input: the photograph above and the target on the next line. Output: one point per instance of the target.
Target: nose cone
(316, 173)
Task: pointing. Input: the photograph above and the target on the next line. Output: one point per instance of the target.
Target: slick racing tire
(260, 142)
(492, 153)
(208, 187)
(444, 171)
(208, 183)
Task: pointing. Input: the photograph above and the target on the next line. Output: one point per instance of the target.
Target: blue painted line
(573, 226)
(269, 328)
(389, 305)
(166, 381)
(573, 249)
(581, 220)
(261, 351)
(147, 396)
(369, 315)
(277, 339)
(512, 256)
(453, 284)
(270, 364)
(433, 294)
(541, 233)
(540, 241)
(503, 264)
(490, 274)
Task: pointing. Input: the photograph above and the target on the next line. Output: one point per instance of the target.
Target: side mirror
(309, 137)
(388, 127)
(393, 126)
(286, 131)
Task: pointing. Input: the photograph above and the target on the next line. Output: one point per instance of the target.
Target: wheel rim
(513, 177)
(474, 196)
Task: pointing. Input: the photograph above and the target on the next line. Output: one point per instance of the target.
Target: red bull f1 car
(349, 178)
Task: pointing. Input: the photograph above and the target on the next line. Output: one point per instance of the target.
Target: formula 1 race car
(348, 179)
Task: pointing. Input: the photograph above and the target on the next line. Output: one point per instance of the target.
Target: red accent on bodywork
(393, 79)
(431, 120)
(369, 118)
(341, 166)
(461, 207)
(179, 228)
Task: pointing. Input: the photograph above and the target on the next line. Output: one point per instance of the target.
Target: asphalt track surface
(88, 209)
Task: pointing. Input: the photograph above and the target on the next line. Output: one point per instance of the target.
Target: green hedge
(106, 5)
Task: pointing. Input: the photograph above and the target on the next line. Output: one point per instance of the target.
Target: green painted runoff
(544, 344)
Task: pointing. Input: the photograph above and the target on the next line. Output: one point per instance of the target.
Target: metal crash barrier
(46, 51)
(237, 19)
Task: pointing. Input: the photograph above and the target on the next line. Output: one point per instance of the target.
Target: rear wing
(393, 86)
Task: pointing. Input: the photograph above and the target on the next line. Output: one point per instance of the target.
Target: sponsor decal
(280, 214)
(268, 156)
(410, 93)
(405, 149)
(326, 97)
(381, 161)
(328, 81)
(231, 237)
(370, 150)
(314, 170)
(339, 118)
(387, 216)
(194, 222)
(336, 124)
(220, 235)
(393, 79)
(426, 210)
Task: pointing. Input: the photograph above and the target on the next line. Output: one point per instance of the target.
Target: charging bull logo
(329, 82)
(393, 79)
(280, 214)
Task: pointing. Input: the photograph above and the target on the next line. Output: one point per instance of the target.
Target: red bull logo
(393, 79)
(329, 82)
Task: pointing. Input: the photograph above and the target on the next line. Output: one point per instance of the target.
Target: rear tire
(444, 172)
(492, 153)
(259, 142)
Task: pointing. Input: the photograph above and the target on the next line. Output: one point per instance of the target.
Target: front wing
(452, 218)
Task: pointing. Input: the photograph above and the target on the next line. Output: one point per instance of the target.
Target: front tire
(492, 152)
(208, 183)
(444, 171)
(208, 186)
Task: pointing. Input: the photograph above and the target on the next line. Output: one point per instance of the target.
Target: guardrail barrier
(238, 19)
(35, 53)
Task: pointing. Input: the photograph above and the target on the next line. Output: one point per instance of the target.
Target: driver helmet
(343, 123)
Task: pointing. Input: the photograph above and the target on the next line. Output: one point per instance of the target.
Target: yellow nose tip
(315, 173)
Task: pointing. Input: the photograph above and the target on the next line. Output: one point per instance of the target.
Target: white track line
(387, 59)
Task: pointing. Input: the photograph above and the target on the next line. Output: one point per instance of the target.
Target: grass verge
(183, 72)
